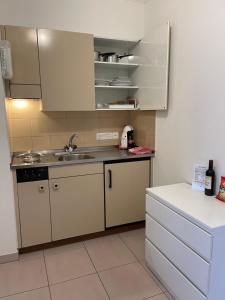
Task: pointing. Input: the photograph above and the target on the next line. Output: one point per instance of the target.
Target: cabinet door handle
(55, 186)
(110, 179)
(41, 188)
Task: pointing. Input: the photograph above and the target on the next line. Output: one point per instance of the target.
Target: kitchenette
(71, 98)
(62, 195)
(112, 161)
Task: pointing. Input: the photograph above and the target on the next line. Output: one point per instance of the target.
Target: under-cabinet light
(20, 103)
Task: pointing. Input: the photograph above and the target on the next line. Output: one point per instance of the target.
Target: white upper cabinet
(139, 81)
(152, 74)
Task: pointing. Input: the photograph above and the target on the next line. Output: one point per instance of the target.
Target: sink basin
(73, 156)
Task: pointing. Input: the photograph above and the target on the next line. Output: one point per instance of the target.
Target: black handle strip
(110, 179)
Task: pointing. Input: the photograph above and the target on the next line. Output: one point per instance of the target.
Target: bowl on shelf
(121, 81)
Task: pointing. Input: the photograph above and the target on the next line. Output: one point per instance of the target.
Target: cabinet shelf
(116, 64)
(117, 87)
(109, 109)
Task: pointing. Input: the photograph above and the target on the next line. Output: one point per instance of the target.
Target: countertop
(205, 211)
(100, 154)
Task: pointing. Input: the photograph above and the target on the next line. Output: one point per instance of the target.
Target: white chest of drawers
(185, 241)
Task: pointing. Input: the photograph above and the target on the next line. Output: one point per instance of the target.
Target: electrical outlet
(107, 136)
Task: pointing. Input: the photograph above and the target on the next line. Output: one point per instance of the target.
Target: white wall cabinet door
(152, 55)
(125, 185)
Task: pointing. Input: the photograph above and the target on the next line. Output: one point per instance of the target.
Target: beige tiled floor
(67, 262)
(26, 274)
(108, 252)
(134, 241)
(111, 267)
(129, 282)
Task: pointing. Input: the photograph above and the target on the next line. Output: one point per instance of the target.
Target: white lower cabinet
(34, 212)
(193, 266)
(77, 205)
(174, 280)
(184, 245)
(195, 237)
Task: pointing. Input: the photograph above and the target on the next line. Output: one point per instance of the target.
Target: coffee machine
(127, 138)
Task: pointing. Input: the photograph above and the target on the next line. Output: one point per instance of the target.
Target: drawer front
(186, 260)
(75, 170)
(196, 238)
(177, 283)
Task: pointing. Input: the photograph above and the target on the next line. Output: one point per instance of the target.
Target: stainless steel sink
(72, 156)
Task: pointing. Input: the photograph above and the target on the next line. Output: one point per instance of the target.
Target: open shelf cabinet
(147, 70)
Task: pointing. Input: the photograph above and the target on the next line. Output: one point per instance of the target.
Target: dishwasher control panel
(32, 174)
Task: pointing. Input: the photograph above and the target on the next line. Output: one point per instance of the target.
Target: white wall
(121, 19)
(8, 236)
(193, 129)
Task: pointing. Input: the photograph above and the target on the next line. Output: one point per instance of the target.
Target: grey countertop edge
(82, 161)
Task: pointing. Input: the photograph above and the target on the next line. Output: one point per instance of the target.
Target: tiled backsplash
(144, 125)
(30, 128)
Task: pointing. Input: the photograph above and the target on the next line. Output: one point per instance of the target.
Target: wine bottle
(209, 180)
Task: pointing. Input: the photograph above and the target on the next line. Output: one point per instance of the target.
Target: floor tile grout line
(45, 266)
(30, 290)
(115, 267)
(39, 288)
(103, 286)
(50, 292)
(96, 270)
(46, 270)
(162, 292)
(139, 261)
(128, 247)
(154, 278)
(71, 279)
(125, 264)
(146, 298)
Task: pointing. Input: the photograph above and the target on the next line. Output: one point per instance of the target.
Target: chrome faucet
(71, 146)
